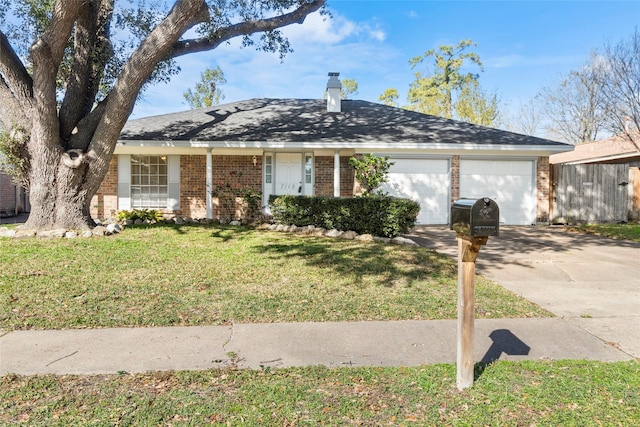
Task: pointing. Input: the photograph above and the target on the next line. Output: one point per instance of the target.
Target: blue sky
(524, 46)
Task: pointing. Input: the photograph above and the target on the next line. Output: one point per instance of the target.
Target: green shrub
(141, 214)
(378, 215)
(371, 172)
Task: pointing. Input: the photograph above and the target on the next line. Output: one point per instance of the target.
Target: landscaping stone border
(111, 226)
(349, 235)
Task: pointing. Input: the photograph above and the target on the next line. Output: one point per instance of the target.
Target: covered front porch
(215, 183)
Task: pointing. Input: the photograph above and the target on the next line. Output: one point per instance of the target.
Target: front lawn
(629, 231)
(196, 274)
(531, 393)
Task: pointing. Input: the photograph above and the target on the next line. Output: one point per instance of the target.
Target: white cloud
(356, 50)
(322, 29)
(378, 34)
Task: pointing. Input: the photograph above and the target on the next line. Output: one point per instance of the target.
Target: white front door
(288, 173)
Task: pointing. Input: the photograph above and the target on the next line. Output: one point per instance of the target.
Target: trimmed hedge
(377, 215)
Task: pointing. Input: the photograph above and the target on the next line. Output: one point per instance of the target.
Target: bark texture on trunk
(60, 193)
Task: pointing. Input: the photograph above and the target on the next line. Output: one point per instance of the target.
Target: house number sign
(291, 187)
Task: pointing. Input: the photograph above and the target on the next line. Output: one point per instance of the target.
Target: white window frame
(172, 200)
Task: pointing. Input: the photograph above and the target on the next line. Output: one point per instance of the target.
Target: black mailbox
(476, 218)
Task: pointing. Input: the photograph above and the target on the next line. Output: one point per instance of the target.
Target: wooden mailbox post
(473, 221)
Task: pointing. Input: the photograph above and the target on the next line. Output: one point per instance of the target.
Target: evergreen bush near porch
(377, 215)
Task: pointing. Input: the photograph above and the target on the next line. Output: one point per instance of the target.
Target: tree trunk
(60, 189)
(55, 205)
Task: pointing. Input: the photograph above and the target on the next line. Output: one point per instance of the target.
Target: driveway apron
(590, 281)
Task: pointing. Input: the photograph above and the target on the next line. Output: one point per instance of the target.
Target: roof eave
(599, 159)
(335, 145)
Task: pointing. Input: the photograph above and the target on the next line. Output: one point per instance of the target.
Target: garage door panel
(426, 181)
(497, 167)
(509, 183)
(420, 166)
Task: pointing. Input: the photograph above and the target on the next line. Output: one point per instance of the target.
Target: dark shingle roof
(305, 120)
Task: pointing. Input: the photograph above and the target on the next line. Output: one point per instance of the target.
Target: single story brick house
(178, 162)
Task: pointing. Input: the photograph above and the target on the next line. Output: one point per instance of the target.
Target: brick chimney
(333, 93)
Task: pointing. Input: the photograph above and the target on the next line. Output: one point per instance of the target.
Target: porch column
(336, 173)
(209, 185)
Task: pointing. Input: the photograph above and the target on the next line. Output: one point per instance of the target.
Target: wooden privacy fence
(590, 193)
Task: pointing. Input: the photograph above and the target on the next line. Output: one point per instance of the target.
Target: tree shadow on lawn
(393, 264)
(222, 232)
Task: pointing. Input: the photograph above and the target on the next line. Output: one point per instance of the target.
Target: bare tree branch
(574, 111)
(621, 87)
(11, 112)
(53, 41)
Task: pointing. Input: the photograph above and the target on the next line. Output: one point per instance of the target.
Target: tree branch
(119, 103)
(11, 112)
(53, 40)
(15, 77)
(87, 126)
(298, 16)
(46, 55)
(90, 44)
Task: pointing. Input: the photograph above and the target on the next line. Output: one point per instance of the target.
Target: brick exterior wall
(193, 185)
(239, 173)
(455, 178)
(235, 171)
(543, 189)
(105, 203)
(324, 176)
(7, 194)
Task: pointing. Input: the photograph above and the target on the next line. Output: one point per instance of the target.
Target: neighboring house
(177, 162)
(13, 199)
(597, 182)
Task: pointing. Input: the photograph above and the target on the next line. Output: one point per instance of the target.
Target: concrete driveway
(591, 282)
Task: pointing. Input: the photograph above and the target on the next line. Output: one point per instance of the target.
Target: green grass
(567, 393)
(194, 275)
(629, 231)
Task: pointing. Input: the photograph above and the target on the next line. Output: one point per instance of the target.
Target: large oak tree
(65, 99)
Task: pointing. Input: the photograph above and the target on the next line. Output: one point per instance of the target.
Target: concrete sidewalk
(394, 343)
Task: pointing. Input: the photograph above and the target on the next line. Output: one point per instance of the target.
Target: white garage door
(426, 181)
(510, 183)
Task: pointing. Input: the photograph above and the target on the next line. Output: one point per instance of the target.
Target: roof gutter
(357, 146)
